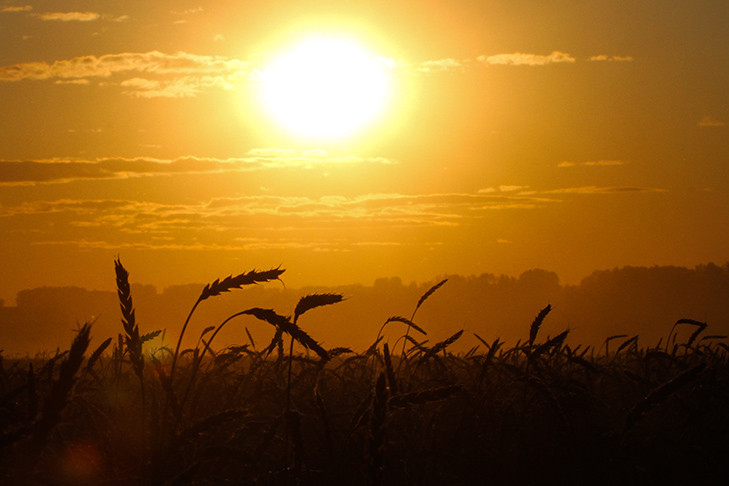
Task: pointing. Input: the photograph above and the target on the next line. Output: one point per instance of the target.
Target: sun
(325, 88)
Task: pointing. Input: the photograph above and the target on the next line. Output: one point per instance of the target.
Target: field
(289, 411)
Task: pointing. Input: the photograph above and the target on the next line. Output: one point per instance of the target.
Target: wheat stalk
(554, 342)
(284, 324)
(377, 430)
(313, 301)
(275, 341)
(660, 393)
(97, 354)
(422, 299)
(534, 328)
(423, 396)
(415, 345)
(323, 411)
(216, 288)
(610, 338)
(388, 367)
(132, 339)
(32, 394)
(427, 294)
(626, 343)
(250, 338)
(56, 401)
(239, 281)
(404, 320)
(438, 347)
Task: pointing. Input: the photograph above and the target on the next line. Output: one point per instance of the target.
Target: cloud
(57, 171)
(502, 188)
(544, 194)
(271, 152)
(522, 59)
(70, 16)
(710, 121)
(441, 65)
(462, 65)
(140, 83)
(186, 86)
(235, 244)
(278, 221)
(512, 188)
(592, 163)
(266, 221)
(189, 11)
(149, 244)
(73, 81)
(24, 8)
(602, 190)
(604, 57)
(182, 87)
(155, 74)
(153, 62)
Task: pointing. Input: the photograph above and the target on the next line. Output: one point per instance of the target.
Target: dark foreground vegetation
(289, 411)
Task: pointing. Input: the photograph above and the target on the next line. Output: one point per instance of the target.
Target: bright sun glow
(326, 88)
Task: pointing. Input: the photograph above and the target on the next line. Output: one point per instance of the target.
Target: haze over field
(571, 136)
(628, 301)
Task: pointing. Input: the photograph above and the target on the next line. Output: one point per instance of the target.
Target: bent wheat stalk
(218, 287)
(422, 299)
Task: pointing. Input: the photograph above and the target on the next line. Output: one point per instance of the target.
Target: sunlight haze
(347, 141)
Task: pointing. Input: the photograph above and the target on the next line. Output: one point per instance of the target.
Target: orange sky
(569, 135)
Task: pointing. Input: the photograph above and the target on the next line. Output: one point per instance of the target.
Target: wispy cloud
(10, 9)
(503, 188)
(605, 57)
(546, 194)
(523, 59)
(155, 74)
(189, 11)
(461, 65)
(279, 221)
(602, 190)
(181, 87)
(710, 121)
(235, 244)
(70, 16)
(81, 82)
(67, 170)
(256, 222)
(153, 62)
(438, 208)
(441, 65)
(141, 84)
(162, 75)
(592, 163)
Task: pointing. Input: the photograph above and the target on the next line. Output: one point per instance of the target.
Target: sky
(570, 136)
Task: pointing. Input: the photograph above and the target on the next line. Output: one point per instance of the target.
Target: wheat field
(111, 411)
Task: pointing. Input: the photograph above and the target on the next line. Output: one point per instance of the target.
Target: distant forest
(643, 301)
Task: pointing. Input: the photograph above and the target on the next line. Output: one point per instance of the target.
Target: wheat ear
(216, 288)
